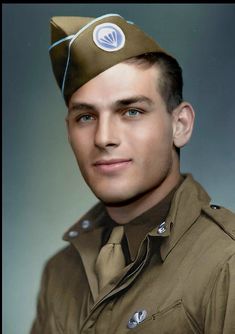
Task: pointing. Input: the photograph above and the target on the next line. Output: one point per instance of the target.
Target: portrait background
(43, 192)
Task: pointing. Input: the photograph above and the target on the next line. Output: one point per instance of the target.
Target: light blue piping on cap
(73, 39)
(60, 41)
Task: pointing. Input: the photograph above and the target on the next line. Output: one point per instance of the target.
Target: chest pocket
(171, 320)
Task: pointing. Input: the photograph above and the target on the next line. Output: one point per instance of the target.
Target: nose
(107, 134)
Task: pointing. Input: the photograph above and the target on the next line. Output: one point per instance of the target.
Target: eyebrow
(78, 106)
(133, 100)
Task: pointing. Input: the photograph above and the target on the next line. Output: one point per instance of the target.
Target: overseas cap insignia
(109, 37)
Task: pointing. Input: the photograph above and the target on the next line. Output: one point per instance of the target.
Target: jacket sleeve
(220, 313)
(45, 322)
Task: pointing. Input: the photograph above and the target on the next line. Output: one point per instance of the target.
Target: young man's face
(121, 133)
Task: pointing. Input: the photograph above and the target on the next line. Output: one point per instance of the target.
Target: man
(153, 256)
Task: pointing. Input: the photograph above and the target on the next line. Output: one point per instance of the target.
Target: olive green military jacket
(181, 282)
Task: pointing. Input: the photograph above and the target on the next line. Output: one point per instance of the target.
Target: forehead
(118, 82)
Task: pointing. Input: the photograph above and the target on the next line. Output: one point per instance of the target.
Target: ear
(183, 120)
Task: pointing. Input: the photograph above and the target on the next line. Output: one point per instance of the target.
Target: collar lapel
(185, 209)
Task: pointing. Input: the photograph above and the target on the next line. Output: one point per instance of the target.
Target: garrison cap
(83, 47)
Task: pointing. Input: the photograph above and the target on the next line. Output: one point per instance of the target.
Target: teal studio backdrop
(43, 192)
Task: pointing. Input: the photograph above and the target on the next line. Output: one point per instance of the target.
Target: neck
(125, 213)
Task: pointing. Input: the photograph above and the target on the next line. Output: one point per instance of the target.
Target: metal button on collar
(85, 224)
(73, 234)
(161, 228)
(137, 318)
(213, 206)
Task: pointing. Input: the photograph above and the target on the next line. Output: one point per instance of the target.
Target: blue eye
(133, 112)
(85, 118)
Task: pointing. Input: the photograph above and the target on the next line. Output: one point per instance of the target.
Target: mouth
(112, 165)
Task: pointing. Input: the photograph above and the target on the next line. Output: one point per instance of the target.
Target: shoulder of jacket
(222, 217)
(61, 256)
(65, 261)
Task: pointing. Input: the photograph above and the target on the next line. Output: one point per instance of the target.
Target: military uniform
(179, 275)
(179, 278)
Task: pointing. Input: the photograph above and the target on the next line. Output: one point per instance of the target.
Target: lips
(112, 165)
(111, 162)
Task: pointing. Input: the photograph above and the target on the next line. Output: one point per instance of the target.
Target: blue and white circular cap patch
(109, 37)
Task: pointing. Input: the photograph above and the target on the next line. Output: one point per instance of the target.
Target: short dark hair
(171, 80)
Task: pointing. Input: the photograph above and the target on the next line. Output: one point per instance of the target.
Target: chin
(112, 199)
(110, 192)
(118, 199)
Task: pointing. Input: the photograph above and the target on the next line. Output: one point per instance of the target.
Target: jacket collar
(186, 205)
(86, 237)
(185, 208)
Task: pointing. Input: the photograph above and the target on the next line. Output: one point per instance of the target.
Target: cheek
(78, 139)
(79, 146)
(153, 141)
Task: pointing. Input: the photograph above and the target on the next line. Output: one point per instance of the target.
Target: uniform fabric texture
(181, 280)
